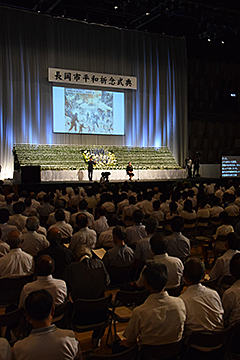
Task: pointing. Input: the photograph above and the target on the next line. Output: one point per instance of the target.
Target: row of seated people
(162, 319)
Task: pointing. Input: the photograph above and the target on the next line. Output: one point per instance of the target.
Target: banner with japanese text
(92, 79)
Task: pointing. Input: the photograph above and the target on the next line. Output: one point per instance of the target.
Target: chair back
(118, 275)
(160, 352)
(61, 314)
(90, 314)
(11, 289)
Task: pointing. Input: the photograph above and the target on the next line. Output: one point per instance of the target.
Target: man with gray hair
(17, 262)
(32, 242)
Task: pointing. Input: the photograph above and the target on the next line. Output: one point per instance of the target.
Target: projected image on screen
(83, 111)
(231, 166)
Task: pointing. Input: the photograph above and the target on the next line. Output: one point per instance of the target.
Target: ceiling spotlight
(222, 42)
(39, 11)
(147, 13)
(115, 7)
(209, 40)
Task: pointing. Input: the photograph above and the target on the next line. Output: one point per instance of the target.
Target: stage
(120, 175)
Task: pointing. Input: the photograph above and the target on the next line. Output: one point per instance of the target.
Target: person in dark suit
(129, 171)
(90, 168)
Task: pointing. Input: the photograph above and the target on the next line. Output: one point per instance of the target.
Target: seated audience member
(188, 213)
(17, 262)
(159, 244)
(17, 218)
(124, 202)
(29, 210)
(65, 229)
(35, 203)
(32, 242)
(203, 305)
(59, 253)
(137, 231)
(84, 236)
(82, 210)
(157, 213)
(146, 206)
(45, 341)
(120, 255)
(59, 205)
(203, 213)
(160, 319)
(221, 266)
(231, 297)
(46, 208)
(216, 209)
(101, 223)
(4, 226)
(178, 244)
(9, 204)
(143, 250)
(173, 210)
(108, 203)
(129, 210)
(5, 350)
(164, 200)
(86, 278)
(75, 198)
(44, 269)
(105, 239)
(223, 230)
(232, 209)
(4, 247)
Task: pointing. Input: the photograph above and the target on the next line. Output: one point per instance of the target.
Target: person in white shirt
(105, 239)
(84, 236)
(203, 305)
(160, 319)
(56, 287)
(143, 250)
(82, 210)
(17, 218)
(101, 223)
(221, 267)
(17, 262)
(159, 244)
(4, 226)
(45, 341)
(137, 231)
(157, 213)
(65, 229)
(32, 242)
(4, 247)
(128, 211)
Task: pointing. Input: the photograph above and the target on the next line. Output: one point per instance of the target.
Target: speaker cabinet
(30, 174)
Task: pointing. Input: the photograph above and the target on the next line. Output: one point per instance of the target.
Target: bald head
(54, 236)
(45, 265)
(14, 239)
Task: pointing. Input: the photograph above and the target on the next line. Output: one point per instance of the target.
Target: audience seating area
(111, 314)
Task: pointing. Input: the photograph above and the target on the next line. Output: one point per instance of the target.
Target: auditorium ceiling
(211, 27)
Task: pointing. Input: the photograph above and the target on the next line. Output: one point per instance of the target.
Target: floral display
(75, 157)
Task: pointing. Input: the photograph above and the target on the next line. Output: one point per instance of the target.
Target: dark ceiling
(211, 27)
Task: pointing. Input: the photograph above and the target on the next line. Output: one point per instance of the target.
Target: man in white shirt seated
(59, 205)
(178, 244)
(143, 250)
(105, 239)
(82, 210)
(65, 229)
(56, 287)
(32, 242)
(160, 319)
(4, 226)
(84, 236)
(17, 262)
(128, 211)
(17, 218)
(159, 244)
(137, 231)
(221, 266)
(101, 223)
(203, 305)
(45, 341)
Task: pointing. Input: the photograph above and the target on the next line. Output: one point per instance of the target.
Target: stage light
(222, 42)
(115, 7)
(209, 40)
(147, 13)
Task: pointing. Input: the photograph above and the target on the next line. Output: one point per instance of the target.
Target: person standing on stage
(90, 168)
(129, 171)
